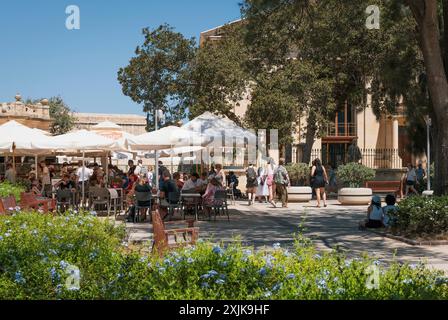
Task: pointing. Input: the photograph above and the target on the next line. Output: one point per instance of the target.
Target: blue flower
(336, 279)
(326, 273)
(190, 260)
(212, 273)
(224, 264)
(267, 294)
(377, 262)
(269, 259)
(93, 213)
(277, 287)
(348, 263)
(219, 281)
(7, 234)
(408, 281)
(291, 276)
(93, 255)
(1, 238)
(222, 276)
(63, 264)
(262, 271)
(205, 276)
(441, 280)
(277, 245)
(205, 285)
(321, 284)
(54, 274)
(247, 252)
(52, 251)
(162, 269)
(218, 250)
(18, 278)
(23, 226)
(317, 256)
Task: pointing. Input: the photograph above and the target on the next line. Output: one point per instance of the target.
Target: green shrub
(298, 173)
(36, 251)
(422, 215)
(7, 189)
(354, 175)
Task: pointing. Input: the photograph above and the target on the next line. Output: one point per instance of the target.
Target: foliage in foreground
(36, 251)
(422, 215)
(7, 189)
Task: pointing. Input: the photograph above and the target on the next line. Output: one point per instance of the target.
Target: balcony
(341, 130)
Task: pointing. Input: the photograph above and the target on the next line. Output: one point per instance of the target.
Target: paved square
(261, 226)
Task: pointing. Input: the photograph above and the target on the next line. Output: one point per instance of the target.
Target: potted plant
(354, 176)
(299, 174)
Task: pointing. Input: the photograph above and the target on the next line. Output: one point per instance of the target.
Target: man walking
(354, 153)
(281, 179)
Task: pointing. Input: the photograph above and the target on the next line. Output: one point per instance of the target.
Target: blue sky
(39, 57)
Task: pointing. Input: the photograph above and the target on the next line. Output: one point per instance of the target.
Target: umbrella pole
(35, 167)
(14, 157)
(83, 177)
(107, 169)
(171, 162)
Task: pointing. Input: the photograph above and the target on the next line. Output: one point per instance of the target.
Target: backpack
(251, 175)
(279, 176)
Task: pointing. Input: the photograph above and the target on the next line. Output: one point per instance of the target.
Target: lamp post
(428, 156)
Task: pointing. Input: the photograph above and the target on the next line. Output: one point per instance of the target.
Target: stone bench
(300, 194)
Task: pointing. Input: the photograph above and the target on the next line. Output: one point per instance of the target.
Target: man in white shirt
(83, 174)
(193, 183)
(138, 168)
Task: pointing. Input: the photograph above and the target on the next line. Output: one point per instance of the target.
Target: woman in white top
(262, 188)
(270, 168)
(220, 175)
(411, 179)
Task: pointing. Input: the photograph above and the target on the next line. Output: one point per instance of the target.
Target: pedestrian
(46, 179)
(282, 181)
(262, 188)
(10, 174)
(354, 153)
(411, 180)
(270, 180)
(220, 175)
(319, 179)
(251, 183)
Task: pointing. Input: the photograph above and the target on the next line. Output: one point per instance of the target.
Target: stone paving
(261, 226)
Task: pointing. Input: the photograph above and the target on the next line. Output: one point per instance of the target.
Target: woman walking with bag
(270, 180)
(262, 189)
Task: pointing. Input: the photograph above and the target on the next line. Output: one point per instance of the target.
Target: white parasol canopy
(17, 137)
(164, 138)
(211, 125)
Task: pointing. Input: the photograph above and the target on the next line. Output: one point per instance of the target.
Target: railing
(372, 158)
(341, 130)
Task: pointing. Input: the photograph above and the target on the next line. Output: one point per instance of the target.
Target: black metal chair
(142, 197)
(99, 197)
(64, 199)
(220, 204)
(174, 202)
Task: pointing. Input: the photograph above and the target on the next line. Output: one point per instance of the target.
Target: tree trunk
(425, 13)
(311, 129)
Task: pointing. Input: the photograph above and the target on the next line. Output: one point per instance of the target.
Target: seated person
(232, 178)
(65, 183)
(193, 184)
(208, 199)
(35, 188)
(374, 215)
(166, 188)
(178, 179)
(140, 186)
(388, 209)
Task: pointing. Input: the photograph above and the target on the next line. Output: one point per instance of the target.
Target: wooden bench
(392, 187)
(6, 204)
(30, 201)
(162, 236)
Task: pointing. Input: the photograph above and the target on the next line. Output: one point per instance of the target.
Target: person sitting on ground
(168, 186)
(389, 210)
(374, 215)
(192, 184)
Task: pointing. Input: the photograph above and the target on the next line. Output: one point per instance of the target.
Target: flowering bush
(38, 252)
(354, 175)
(7, 189)
(422, 215)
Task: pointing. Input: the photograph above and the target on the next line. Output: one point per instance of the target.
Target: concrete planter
(355, 196)
(299, 194)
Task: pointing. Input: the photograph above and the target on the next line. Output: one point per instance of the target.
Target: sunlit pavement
(336, 226)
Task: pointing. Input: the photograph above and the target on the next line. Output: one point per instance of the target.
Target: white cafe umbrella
(80, 141)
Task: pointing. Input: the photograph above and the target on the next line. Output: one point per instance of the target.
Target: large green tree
(154, 77)
(61, 115)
